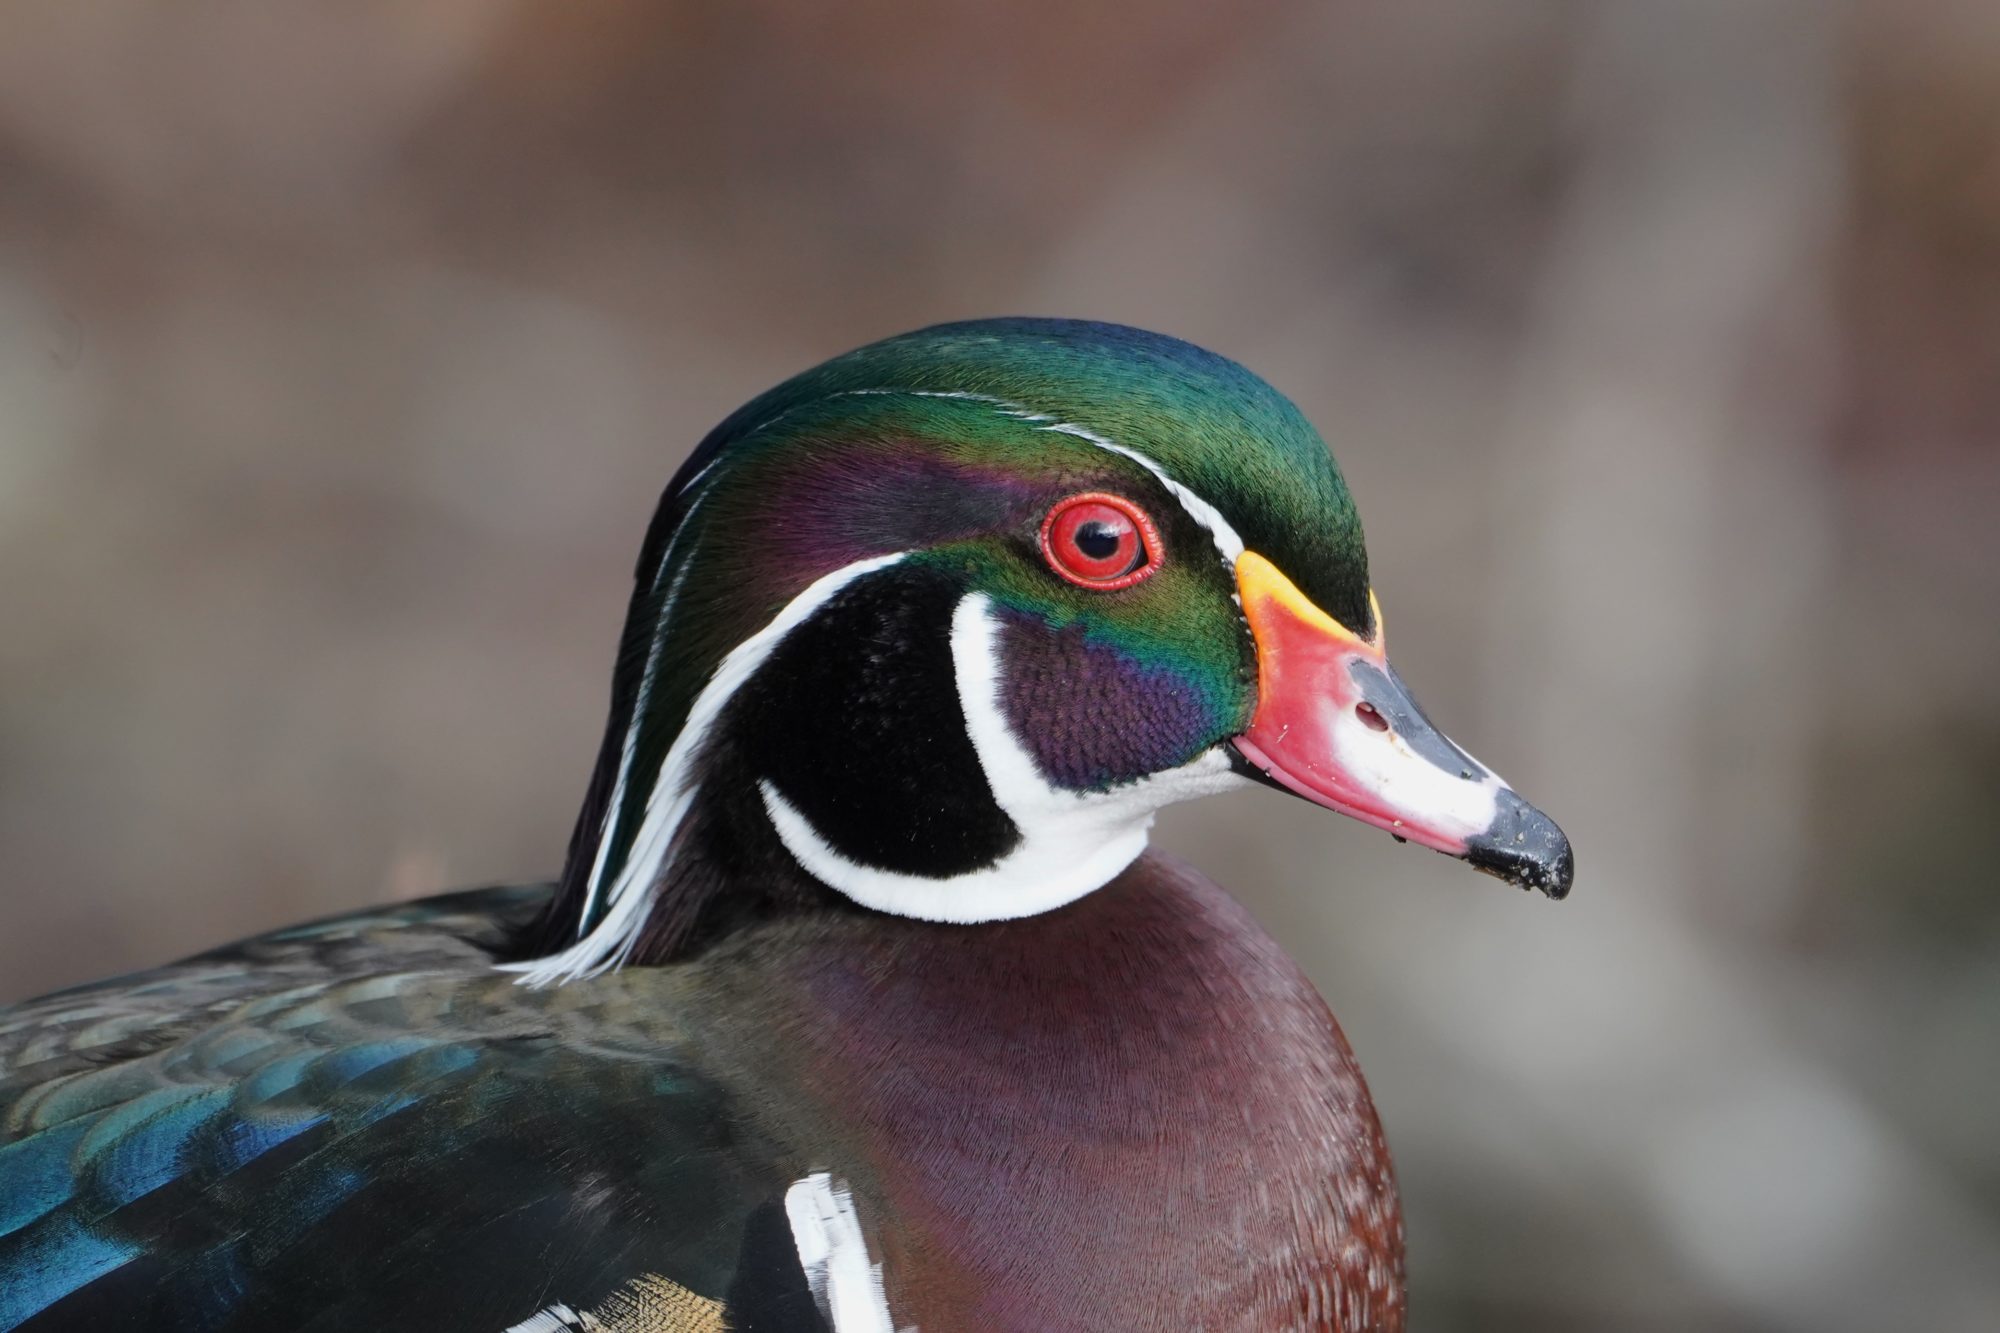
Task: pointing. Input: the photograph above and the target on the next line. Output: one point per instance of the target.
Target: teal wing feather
(361, 1123)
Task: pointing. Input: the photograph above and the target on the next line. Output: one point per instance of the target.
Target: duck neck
(725, 875)
(849, 719)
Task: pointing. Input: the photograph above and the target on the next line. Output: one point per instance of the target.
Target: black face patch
(855, 720)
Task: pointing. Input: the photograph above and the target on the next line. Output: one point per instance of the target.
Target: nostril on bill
(1370, 716)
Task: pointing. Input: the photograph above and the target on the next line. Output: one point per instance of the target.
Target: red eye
(1100, 541)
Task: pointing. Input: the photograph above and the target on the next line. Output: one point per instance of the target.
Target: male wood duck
(860, 1005)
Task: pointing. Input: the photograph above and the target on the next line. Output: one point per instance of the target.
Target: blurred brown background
(344, 349)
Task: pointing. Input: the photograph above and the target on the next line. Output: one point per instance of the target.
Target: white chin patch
(1071, 842)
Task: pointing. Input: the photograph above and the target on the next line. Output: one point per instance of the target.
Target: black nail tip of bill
(1523, 846)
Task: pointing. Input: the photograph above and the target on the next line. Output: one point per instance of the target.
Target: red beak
(1335, 725)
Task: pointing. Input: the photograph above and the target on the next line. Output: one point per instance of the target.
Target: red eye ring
(1074, 533)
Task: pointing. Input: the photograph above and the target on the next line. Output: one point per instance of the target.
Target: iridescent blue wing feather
(361, 1123)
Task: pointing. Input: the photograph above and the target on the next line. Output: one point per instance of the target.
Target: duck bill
(1336, 725)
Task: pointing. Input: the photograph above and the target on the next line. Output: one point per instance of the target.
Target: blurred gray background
(345, 347)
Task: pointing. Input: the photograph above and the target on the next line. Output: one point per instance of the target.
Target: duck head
(938, 626)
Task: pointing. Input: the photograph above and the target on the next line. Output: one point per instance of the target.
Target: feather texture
(361, 1123)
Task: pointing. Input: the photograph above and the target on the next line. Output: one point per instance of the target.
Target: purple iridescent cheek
(1092, 715)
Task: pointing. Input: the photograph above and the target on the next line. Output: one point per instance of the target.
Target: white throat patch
(1071, 842)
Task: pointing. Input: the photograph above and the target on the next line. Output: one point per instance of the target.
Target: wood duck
(860, 1005)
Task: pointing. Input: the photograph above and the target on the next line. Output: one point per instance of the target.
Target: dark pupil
(1098, 539)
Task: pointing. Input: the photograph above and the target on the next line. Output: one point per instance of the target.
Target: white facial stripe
(1225, 537)
(846, 1284)
(1201, 511)
(647, 678)
(611, 941)
(701, 475)
(1018, 785)
(1006, 408)
(1071, 842)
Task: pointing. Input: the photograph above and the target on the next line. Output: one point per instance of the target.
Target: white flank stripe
(1071, 842)
(845, 1283)
(613, 939)
(558, 1318)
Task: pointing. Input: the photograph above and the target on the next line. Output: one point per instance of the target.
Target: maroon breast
(1133, 1112)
